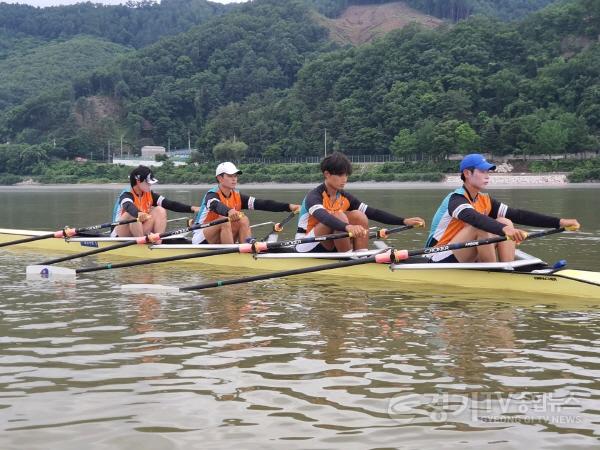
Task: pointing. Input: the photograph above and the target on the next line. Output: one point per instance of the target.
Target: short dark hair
(470, 169)
(337, 164)
(140, 173)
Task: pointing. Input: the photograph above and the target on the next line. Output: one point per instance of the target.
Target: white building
(150, 151)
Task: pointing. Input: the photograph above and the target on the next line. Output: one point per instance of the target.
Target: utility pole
(121, 146)
(189, 141)
(108, 153)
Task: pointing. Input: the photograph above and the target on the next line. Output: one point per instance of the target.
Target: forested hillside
(14, 43)
(266, 74)
(135, 24)
(529, 87)
(172, 87)
(52, 66)
(448, 9)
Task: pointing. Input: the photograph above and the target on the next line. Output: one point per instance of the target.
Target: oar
(188, 220)
(67, 232)
(278, 227)
(179, 219)
(391, 256)
(262, 224)
(255, 247)
(44, 270)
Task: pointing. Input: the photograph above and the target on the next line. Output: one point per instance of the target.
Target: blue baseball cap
(477, 161)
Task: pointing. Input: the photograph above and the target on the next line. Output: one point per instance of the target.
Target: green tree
(273, 151)
(404, 144)
(550, 137)
(444, 138)
(230, 150)
(467, 140)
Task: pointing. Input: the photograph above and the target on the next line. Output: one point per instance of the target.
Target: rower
(224, 200)
(147, 206)
(328, 208)
(468, 214)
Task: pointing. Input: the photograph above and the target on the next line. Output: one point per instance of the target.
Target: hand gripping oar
(391, 256)
(278, 227)
(154, 238)
(254, 247)
(67, 232)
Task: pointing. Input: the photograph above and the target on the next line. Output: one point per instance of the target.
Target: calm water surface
(300, 363)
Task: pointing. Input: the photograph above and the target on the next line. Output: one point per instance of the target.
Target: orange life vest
(340, 204)
(142, 202)
(233, 201)
(482, 204)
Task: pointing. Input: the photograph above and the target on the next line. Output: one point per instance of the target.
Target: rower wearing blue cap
(467, 214)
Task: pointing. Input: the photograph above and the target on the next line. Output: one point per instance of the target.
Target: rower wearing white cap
(468, 214)
(140, 202)
(225, 201)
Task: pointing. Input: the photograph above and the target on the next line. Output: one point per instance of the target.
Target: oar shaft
(141, 262)
(104, 225)
(381, 233)
(29, 239)
(478, 243)
(278, 227)
(257, 225)
(178, 219)
(67, 232)
(391, 256)
(156, 237)
(225, 251)
(88, 253)
(286, 273)
(134, 241)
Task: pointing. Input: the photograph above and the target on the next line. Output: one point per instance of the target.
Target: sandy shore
(498, 181)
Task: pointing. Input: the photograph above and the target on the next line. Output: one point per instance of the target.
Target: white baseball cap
(228, 168)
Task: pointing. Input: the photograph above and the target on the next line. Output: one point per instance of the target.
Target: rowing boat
(526, 274)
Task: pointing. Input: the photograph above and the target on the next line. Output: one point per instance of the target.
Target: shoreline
(497, 181)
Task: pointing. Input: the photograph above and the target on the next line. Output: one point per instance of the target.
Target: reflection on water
(301, 363)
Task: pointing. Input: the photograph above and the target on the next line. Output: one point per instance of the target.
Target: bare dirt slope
(363, 23)
(89, 111)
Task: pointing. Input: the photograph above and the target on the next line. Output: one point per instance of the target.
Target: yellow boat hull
(436, 277)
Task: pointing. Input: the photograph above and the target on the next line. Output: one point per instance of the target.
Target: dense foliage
(265, 74)
(38, 162)
(531, 87)
(447, 9)
(51, 66)
(170, 88)
(135, 24)
(14, 43)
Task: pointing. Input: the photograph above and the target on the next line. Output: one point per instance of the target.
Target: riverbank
(498, 181)
(392, 174)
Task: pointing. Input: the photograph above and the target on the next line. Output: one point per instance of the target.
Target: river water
(299, 363)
